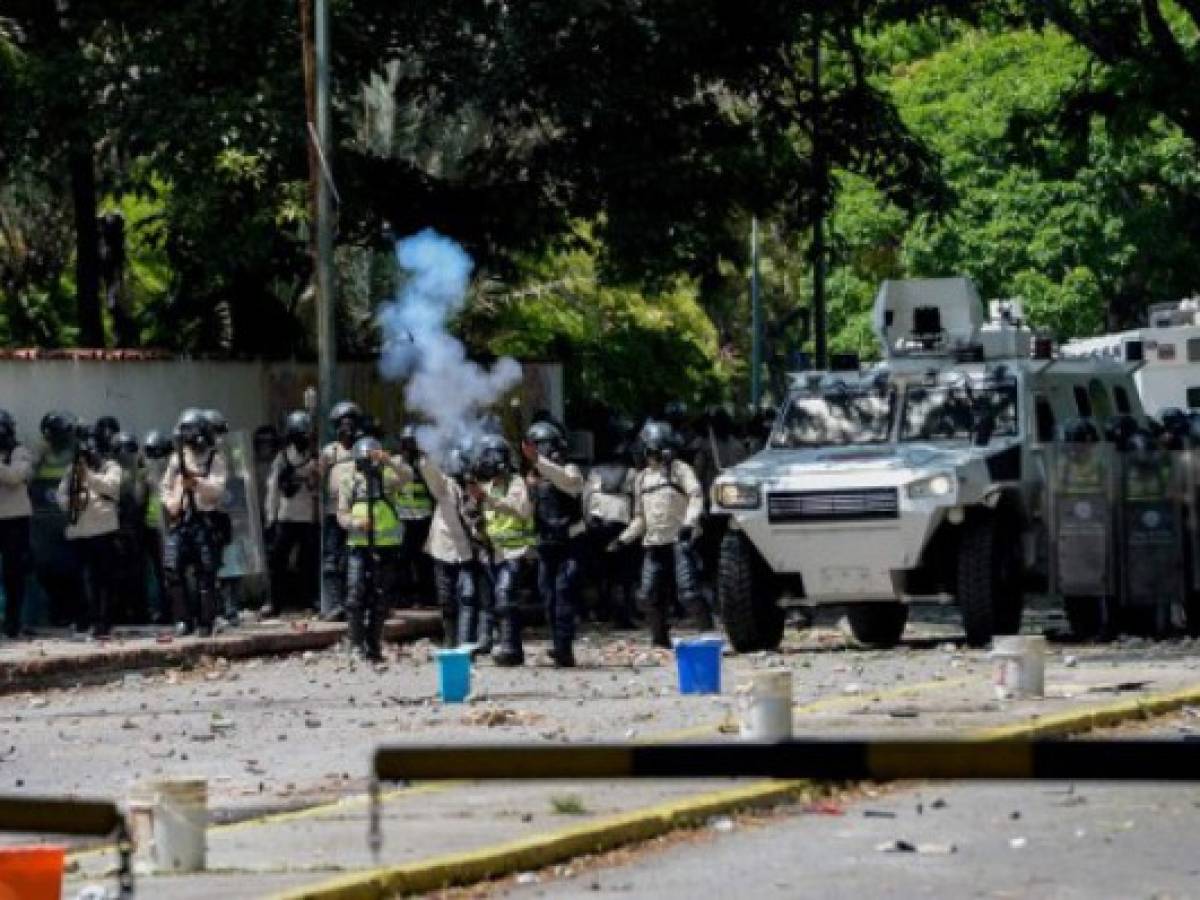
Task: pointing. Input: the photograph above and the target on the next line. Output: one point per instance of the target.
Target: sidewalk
(49, 661)
(434, 828)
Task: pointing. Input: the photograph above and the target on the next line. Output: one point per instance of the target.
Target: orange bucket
(31, 872)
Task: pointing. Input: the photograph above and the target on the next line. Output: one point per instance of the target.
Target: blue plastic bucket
(454, 674)
(699, 664)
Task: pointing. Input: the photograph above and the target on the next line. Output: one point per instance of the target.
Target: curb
(542, 850)
(46, 671)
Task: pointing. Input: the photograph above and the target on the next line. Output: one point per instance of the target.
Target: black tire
(1084, 617)
(749, 607)
(1191, 612)
(989, 588)
(878, 624)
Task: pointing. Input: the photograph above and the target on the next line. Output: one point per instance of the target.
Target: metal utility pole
(755, 320)
(821, 190)
(314, 29)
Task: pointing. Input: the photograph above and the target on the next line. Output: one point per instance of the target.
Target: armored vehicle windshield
(843, 415)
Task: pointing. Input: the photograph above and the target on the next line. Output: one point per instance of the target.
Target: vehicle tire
(1083, 615)
(989, 580)
(878, 624)
(1191, 611)
(749, 607)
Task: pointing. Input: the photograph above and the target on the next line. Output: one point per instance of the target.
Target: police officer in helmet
(291, 514)
(415, 505)
(558, 514)
(336, 464)
(16, 474)
(157, 448)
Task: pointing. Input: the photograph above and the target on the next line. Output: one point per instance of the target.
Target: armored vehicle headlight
(934, 486)
(732, 495)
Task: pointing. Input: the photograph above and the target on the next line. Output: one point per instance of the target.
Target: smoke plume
(443, 386)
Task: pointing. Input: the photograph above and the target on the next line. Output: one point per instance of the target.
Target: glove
(686, 534)
(613, 546)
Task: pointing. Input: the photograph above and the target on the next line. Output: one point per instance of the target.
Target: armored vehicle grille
(833, 506)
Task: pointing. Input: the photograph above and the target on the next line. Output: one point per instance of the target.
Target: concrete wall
(149, 394)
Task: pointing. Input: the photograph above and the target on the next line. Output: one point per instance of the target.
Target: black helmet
(124, 443)
(1119, 429)
(657, 437)
(675, 412)
(106, 428)
(58, 427)
(217, 423)
(492, 457)
(547, 437)
(345, 410)
(194, 429)
(364, 452)
(1080, 431)
(266, 442)
(157, 445)
(459, 458)
(298, 425)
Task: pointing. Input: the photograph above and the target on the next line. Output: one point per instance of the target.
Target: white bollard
(1020, 666)
(766, 707)
(179, 823)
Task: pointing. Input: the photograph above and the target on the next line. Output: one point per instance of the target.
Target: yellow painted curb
(548, 848)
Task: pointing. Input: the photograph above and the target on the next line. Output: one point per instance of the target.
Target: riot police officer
(366, 510)
(608, 510)
(16, 473)
(291, 512)
(156, 448)
(1083, 522)
(88, 493)
(124, 449)
(558, 515)
(450, 546)
(509, 534)
(414, 503)
(192, 489)
(54, 560)
(105, 430)
(337, 463)
(667, 504)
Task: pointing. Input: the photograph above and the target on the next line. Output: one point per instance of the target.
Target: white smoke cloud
(443, 386)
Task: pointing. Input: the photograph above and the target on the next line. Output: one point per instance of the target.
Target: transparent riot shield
(245, 554)
(1082, 517)
(1151, 540)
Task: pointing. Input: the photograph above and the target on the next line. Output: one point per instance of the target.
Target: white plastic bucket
(766, 706)
(179, 819)
(1020, 670)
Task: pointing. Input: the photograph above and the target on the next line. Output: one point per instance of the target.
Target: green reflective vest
(506, 531)
(413, 501)
(153, 510)
(380, 512)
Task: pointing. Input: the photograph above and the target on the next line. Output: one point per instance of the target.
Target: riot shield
(245, 554)
(1188, 463)
(56, 585)
(1150, 537)
(1082, 517)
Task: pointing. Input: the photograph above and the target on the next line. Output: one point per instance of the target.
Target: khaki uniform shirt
(15, 476)
(663, 504)
(99, 491)
(448, 540)
(301, 506)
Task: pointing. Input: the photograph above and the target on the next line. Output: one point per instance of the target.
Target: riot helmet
(8, 431)
(675, 413)
(124, 446)
(1175, 421)
(493, 457)
(266, 443)
(218, 425)
(345, 417)
(86, 444)
(58, 428)
(548, 438)
(157, 445)
(297, 430)
(106, 428)
(658, 441)
(194, 430)
(366, 449)
(1119, 429)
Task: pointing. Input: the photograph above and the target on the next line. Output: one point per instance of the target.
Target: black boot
(485, 639)
(510, 652)
(468, 621)
(449, 630)
(660, 634)
(563, 655)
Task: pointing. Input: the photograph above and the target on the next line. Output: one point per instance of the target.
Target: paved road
(961, 840)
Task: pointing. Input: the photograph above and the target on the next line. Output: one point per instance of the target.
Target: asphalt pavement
(1029, 840)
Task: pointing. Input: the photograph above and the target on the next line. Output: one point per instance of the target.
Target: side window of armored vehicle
(1101, 408)
(1121, 398)
(1193, 349)
(1046, 426)
(1083, 403)
(1193, 398)
(953, 412)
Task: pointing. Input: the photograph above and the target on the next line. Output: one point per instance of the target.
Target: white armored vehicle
(921, 479)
